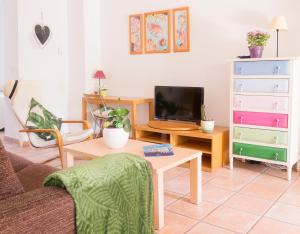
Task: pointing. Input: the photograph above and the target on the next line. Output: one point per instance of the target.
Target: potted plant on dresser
(257, 40)
(207, 125)
(117, 128)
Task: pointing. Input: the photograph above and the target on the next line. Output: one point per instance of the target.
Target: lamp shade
(279, 23)
(99, 75)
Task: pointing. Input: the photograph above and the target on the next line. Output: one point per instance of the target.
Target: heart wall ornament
(42, 33)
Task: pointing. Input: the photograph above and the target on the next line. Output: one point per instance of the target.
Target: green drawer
(260, 135)
(262, 152)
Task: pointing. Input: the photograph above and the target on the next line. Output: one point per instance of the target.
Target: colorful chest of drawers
(265, 111)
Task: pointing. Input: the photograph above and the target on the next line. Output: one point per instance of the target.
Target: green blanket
(112, 194)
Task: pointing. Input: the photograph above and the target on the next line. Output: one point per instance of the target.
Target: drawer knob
(241, 119)
(276, 70)
(276, 138)
(276, 87)
(240, 88)
(240, 103)
(240, 135)
(240, 70)
(276, 156)
(276, 104)
(241, 150)
(277, 122)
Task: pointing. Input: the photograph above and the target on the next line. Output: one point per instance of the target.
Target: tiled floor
(251, 199)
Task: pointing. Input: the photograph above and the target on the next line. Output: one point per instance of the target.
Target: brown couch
(38, 209)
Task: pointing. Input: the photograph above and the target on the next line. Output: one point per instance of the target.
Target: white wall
(50, 64)
(76, 58)
(65, 66)
(92, 41)
(9, 35)
(1, 46)
(1, 63)
(93, 34)
(218, 31)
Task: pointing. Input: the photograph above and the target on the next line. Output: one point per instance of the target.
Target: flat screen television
(178, 103)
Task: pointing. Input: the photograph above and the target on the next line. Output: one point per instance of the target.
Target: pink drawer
(260, 103)
(260, 119)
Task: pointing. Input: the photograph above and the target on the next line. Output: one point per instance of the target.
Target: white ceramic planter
(115, 138)
(207, 126)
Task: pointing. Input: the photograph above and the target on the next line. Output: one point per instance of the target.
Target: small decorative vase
(256, 51)
(115, 138)
(103, 93)
(207, 126)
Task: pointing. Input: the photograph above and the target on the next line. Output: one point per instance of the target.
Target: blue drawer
(274, 67)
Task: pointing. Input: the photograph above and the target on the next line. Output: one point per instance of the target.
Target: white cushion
(25, 91)
(68, 138)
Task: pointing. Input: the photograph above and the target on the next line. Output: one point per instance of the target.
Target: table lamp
(279, 24)
(99, 75)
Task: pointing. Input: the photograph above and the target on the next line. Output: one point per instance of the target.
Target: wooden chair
(20, 94)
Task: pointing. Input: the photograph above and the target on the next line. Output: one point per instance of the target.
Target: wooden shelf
(155, 137)
(206, 163)
(197, 145)
(214, 146)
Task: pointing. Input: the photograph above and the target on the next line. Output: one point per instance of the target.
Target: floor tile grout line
(238, 191)
(296, 225)
(276, 200)
(227, 229)
(289, 204)
(234, 193)
(220, 204)
(181, 197)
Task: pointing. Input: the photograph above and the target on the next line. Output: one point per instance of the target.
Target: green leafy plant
(257, 38)
(118, 118)
(203, 114)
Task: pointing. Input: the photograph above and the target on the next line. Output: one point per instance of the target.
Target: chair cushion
(40, 118)
(9, 182)
(68, 138)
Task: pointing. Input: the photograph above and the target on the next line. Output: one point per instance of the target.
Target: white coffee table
(96, 148)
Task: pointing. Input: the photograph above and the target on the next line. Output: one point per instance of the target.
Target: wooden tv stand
(172, 125)
(214, 146)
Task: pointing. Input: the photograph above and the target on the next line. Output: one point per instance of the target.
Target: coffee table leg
(68, 160)
(195, 180)
(158, 187)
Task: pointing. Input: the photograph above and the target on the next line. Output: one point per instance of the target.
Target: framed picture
(157, 32)
(136, 34)
(181, 30)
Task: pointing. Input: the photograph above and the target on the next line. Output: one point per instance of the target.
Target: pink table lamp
(99, 75)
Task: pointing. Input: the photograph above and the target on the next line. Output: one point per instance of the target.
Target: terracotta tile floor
(251, 199)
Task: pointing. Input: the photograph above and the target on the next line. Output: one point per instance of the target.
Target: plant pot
(256, 51)
(207, 126)
(115, 138)
(103, 93)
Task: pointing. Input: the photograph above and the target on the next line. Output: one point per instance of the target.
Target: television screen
(178, 103)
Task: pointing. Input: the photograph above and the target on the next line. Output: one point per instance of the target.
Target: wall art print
(181, 29)
(136, 34)
(157, 32)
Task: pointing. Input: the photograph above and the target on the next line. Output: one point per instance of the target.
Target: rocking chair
(20, 94)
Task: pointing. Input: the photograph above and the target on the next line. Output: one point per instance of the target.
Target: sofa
(33, 208)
